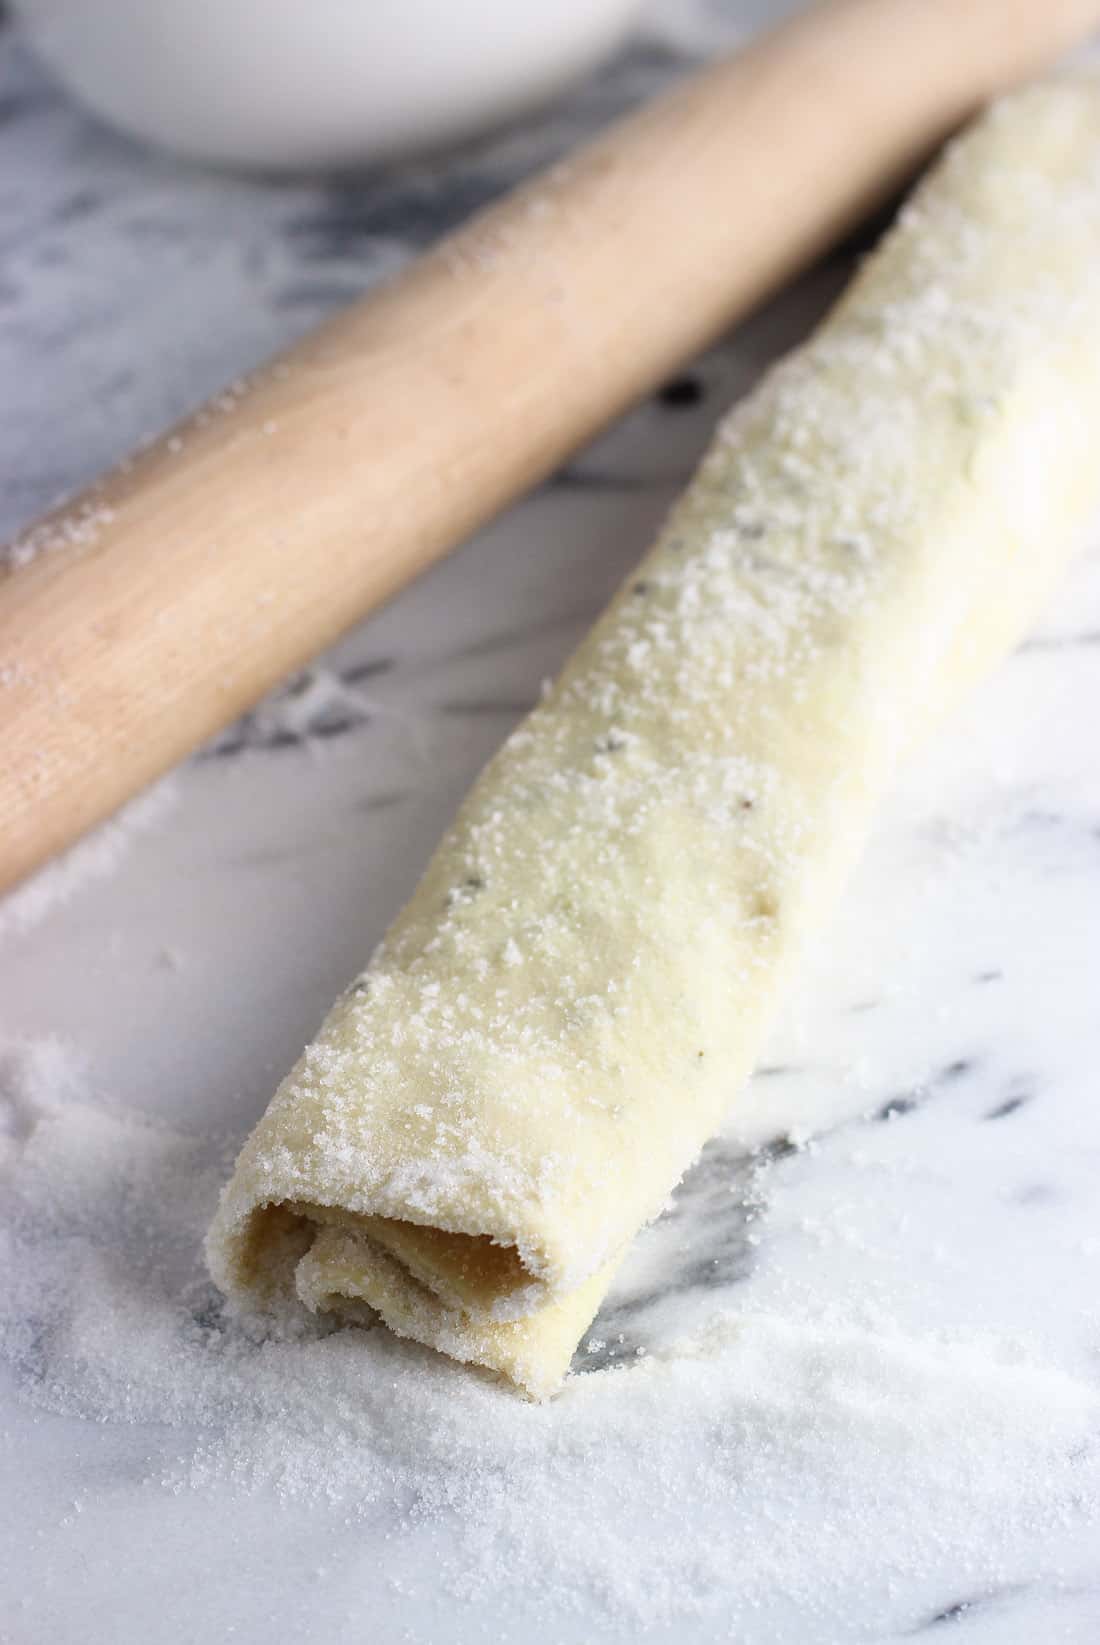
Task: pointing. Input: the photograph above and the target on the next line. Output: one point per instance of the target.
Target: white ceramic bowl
(303, 84)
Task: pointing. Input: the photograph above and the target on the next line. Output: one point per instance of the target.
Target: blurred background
(185, 188)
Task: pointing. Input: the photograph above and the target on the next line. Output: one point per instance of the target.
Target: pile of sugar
(820, 1466)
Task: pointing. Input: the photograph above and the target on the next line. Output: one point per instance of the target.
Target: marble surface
(921, 1143)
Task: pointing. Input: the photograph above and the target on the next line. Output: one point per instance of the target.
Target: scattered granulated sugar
(94, 857)
(680, 1485)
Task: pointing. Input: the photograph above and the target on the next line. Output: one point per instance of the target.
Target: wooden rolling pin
(143, 617)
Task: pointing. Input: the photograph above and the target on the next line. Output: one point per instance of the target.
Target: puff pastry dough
(563, 1012)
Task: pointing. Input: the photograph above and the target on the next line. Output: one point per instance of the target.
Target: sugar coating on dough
(560, 1016)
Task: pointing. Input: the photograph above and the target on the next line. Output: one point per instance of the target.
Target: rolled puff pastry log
(560, 1016)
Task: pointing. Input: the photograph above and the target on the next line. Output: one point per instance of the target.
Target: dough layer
(567, 1006)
